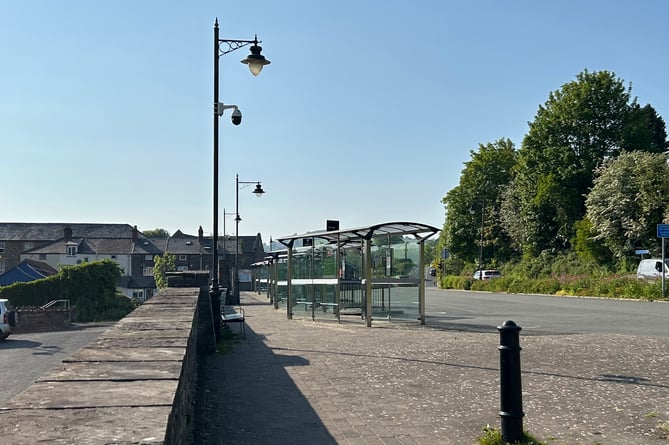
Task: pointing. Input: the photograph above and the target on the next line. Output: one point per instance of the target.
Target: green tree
(431, 253)
(156, 233)
(645, 130)
(473, 206)
(627, 202)
(587, 247)
(587, 121)
(162, 265)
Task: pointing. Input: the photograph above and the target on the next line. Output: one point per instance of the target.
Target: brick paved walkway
(303, 382)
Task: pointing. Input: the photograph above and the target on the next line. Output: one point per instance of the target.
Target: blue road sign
(663, 230)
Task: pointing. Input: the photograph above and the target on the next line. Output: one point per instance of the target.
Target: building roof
(54, 231)
(100, 246)
(26, 270)
(183, 244)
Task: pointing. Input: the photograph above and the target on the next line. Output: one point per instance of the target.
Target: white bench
(230, 314)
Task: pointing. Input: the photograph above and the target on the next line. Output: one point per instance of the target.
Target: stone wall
(43, 320)
(181, 422)
(136, 383)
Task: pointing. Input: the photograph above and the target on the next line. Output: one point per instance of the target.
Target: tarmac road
(539, 314)
(26, 357)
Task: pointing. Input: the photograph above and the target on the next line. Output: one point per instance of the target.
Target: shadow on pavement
(248, 397)
(18, 344)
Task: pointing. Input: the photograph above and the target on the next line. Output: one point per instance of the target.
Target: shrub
(91, 287)
(612, 286)
(559, 274)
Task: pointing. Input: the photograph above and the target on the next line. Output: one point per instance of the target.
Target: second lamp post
(258, 191)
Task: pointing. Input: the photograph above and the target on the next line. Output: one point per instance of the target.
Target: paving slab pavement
(305, 382)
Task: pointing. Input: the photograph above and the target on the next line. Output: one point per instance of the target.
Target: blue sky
(366, 114)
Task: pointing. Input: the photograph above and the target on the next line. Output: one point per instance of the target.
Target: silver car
(8, 319)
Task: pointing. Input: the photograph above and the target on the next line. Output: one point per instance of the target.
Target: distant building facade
(194, 252)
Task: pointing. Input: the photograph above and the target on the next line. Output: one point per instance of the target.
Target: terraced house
(64, 244)
(61, 244)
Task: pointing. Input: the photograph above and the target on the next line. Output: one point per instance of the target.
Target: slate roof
(183, 244)
(26, 270)
(101, 246)
(54, 231)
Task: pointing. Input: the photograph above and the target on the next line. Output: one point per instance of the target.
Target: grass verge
(493, 436)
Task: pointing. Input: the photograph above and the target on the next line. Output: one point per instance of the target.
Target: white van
(651, 269)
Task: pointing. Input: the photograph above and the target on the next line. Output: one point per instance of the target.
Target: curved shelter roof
(418, 230)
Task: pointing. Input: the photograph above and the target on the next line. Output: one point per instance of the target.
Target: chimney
(135, 234)
(200, 235)
(68, 233)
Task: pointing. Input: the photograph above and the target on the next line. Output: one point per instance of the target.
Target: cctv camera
(236, 117)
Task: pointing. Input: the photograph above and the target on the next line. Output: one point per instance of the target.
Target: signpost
(663, 232)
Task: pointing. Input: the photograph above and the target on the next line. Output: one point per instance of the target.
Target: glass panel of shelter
(395, 278)
(280, 282)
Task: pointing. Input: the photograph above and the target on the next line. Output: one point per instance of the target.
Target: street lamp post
(481, 241)
(255, 61)
(258, 191)
(472, 210)
(224, 215)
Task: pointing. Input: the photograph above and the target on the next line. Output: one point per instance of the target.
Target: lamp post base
(232, 298)
(215, 297)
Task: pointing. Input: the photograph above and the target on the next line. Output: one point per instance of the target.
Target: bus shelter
(374, 272)
(261, 273)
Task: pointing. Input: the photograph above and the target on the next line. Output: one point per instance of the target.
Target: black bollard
(511, 399)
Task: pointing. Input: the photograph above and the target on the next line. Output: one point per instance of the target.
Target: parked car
(651, 269)
(433, 272)
(487, 274)
(8, 319)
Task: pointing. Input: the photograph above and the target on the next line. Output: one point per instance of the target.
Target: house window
(148, 258)
(147, 271)
(182, 257)
(28, 245)
(2, 266)
(42, 256)
(71, 250)
(2, 246)
(182, 268)
(138, 295)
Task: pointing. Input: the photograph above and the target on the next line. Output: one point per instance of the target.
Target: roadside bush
(613, 286)
(455, 282)
(559, 274)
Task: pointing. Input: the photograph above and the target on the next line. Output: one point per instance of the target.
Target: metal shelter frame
(337, 241)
